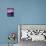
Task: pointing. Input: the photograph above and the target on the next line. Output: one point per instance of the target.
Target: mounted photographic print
(10, 12)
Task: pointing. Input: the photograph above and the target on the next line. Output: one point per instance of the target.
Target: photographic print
(10, 12)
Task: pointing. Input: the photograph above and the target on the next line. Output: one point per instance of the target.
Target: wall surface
(26, 12)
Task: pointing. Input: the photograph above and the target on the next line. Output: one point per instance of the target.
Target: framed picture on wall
(33, 32)
(10, 12)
